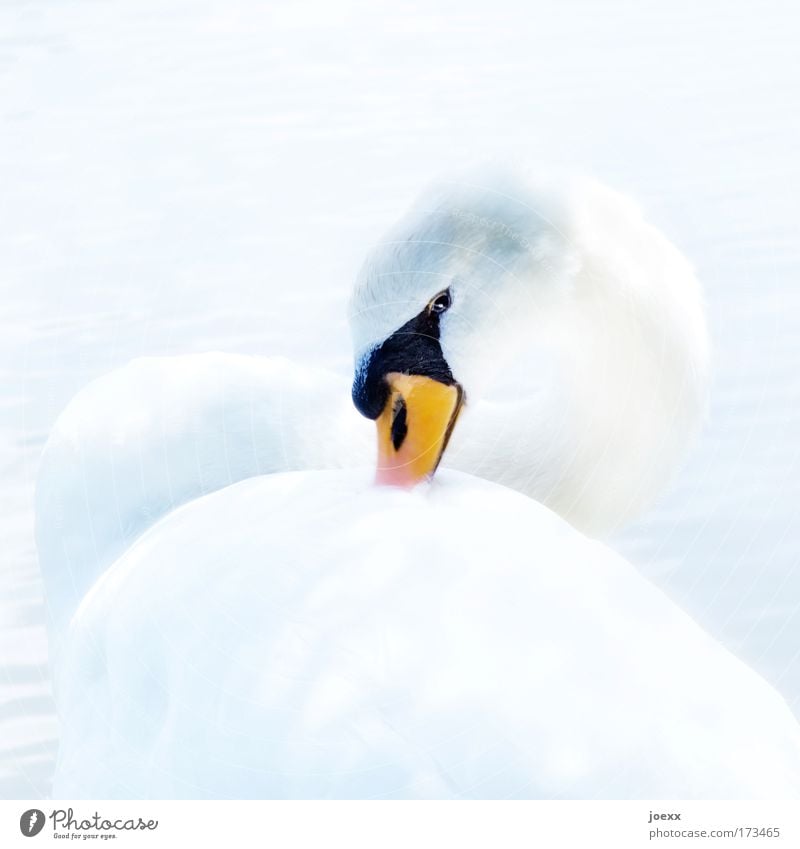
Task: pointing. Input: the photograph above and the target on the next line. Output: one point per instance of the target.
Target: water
(191, 176)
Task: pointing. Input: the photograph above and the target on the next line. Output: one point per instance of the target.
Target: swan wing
(140, 441)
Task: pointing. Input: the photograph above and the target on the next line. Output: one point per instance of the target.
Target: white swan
(575, 329)
(313, 635)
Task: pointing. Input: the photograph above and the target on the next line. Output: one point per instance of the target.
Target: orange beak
(415, 427)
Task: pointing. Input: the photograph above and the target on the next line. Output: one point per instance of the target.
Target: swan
(242, 629)
(574, 334)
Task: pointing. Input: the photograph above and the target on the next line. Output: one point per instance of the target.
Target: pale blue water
(185, 176)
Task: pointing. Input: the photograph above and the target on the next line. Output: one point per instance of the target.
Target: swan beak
(415, 427)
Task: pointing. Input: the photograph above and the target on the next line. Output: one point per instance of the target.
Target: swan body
(225, 630)
(310, 635)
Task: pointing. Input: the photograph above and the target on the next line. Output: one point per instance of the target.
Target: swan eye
(441, 303)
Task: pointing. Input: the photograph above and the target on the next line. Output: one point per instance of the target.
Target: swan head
(407, 386)
(543, 331)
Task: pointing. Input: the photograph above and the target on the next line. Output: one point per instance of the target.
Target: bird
(274, 619)
(571, 331)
